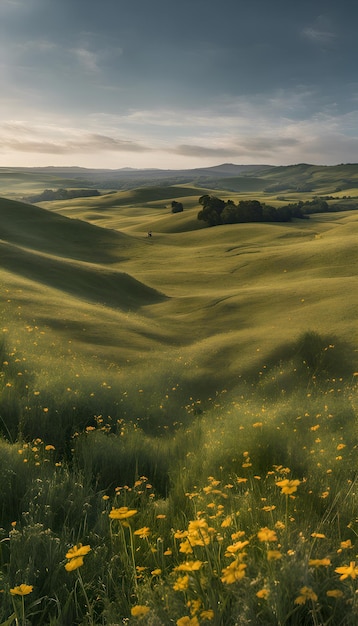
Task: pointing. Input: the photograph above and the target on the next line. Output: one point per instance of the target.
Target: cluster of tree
(216, 211)
(62, 194)
(177, 207)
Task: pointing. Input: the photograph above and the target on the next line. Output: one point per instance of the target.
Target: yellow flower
(189, 566)
(208, 614)
(185, 547)
(238, 535)
(139, 610)
(273, 555)
(319, 535)
(73, 564)
(198, 533)
(307, 593)
(226, 522)
(49, 447)
(142, 532)
(180, 534)
(122, 513)
(288, 486)
(347, 571)
(263, 594)
(235, 547)
(78, 550)
(187, 621)
(181, 584)
(234, 572)
(156, 572)
(269, 508)
(319, 562)
(334, 593)
(21, 590)
(346, 544)
(265, 534)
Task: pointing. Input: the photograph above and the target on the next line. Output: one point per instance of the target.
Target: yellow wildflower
(78, 550)
(318, 562)
(265, 534)
(288, 486)
(263, 594)
(198, 533)
(208, 614)
(21, 590)
(156, 572)
(306, 593)
(181, 584)
(139, 610)
(122, 513)
(235, 547)
(347, 571)
(142, 532)
(334, 593)
(185, 547)
(187, 621)
(74, 564)
(234, 572)
(319, 535)
(189, 566)
(238, 535)
(346, 544)
(273, 555)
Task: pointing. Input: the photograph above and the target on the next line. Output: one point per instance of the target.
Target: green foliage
(177, 207)
(62, 194)
(216, 211)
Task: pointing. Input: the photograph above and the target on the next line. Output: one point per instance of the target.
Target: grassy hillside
(220, 299)
(178, 415)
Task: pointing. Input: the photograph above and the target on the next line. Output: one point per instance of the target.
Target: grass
(182, 377)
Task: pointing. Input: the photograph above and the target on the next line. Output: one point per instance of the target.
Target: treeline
(62, 194)
(216, 211)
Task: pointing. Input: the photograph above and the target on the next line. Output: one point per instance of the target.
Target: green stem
(89, 607)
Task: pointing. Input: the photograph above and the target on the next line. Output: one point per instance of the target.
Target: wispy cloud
(320, 32)
(87, 60)
(89, 143)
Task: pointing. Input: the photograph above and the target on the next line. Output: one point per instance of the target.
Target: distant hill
(303, 177)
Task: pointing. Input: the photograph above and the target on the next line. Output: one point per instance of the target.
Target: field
(178, 412)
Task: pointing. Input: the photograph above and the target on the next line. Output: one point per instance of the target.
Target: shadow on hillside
(85, 281)
(311, 359)
(43, 231)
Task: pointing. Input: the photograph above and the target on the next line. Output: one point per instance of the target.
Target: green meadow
(178, 413)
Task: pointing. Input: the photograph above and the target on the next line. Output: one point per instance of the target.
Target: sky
(178, 84)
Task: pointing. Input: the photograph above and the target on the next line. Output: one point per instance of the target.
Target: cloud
(87, 59)
(90, 143)
(320, 32)
(192, 150)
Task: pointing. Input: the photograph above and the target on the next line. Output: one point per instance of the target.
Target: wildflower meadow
(241, 510)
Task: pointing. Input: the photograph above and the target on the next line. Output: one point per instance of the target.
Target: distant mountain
(302, 177)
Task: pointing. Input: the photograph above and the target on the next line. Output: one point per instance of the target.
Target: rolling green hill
(209, 304)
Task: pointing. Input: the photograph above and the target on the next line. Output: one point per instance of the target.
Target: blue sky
(168, 84)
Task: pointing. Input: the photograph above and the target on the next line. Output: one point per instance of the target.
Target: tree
(177, 207)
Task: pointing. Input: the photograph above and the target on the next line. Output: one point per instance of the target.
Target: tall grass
(244, 512)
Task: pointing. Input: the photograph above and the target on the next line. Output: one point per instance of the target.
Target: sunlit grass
(201, 448)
